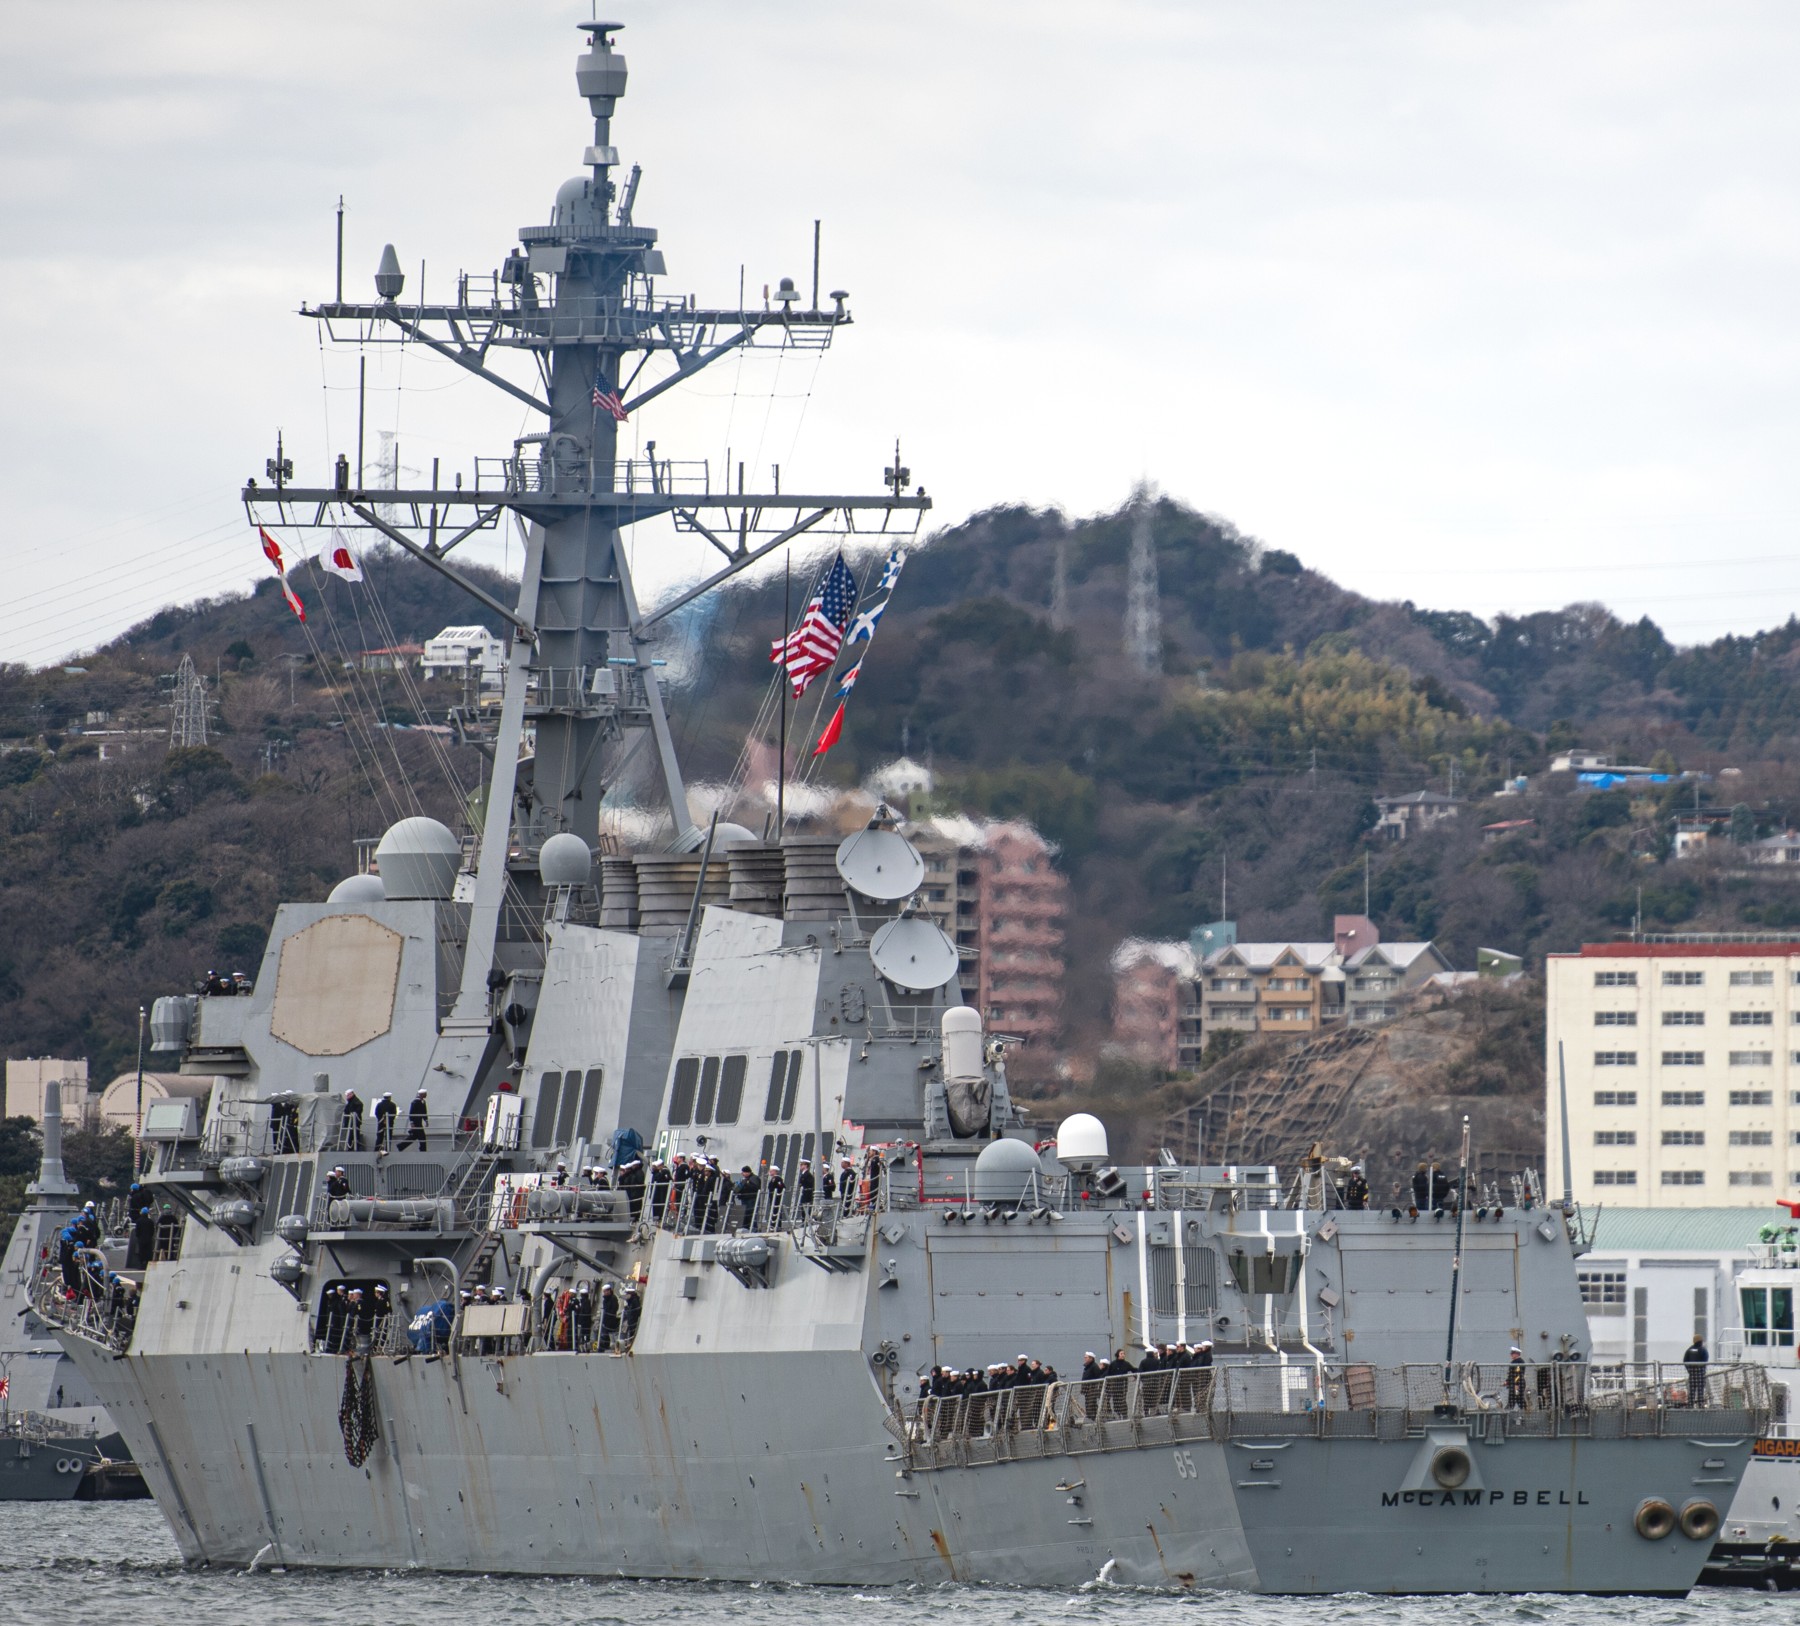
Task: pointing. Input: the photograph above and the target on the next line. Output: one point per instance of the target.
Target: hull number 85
(1184, 1465)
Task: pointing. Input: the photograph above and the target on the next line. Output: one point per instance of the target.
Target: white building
(1403, 816)
(1657, 1276)
(1683, 1065)
(455, 651)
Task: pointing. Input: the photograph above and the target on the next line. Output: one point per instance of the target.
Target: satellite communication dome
(880, 864)
(418, 858)
(1003, 1172)
(358, 889)
(913, 954)
(564, 860)
(1081, 1141)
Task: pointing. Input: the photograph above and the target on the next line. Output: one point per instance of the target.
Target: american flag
(813, 646)
(606, 398)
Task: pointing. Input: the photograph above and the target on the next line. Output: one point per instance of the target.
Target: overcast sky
(1490, 306)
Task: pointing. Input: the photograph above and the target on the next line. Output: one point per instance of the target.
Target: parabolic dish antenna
(913, 954)
(880, 864)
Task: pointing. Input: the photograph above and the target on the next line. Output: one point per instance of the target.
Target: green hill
(1283, 705)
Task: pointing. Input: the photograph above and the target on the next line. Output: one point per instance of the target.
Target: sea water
(116, 1565)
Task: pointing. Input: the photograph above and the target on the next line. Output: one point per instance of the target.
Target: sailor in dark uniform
(1695, 1359)
(805, 1187)
(418, 1116)
(1356, 1189)
(386, 1111)
(746, 1190)
(352, 1131)
(1515, 1380)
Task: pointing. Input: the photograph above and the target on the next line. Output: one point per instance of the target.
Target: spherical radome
(418, 858)
(565, 860)
(1080, 1139)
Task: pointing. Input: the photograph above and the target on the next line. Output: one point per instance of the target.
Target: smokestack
(51, 1181)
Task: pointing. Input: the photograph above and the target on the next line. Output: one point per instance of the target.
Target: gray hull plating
(746, 1466)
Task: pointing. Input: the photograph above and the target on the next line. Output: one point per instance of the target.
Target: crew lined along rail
(1610, 1400)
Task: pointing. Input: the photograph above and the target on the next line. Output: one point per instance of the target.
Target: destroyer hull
(757, 1467)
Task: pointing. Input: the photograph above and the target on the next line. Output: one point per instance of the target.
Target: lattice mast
(188, 704)
(578, 296)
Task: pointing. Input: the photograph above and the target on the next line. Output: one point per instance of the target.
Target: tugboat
(1759, 1543)
(716, 1245)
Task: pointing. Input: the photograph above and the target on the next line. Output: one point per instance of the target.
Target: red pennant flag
(292, 598)
(271, 550)
(832, 729)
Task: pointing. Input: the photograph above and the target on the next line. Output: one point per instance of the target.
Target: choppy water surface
(69, 1562)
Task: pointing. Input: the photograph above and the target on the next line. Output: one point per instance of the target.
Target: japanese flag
(339, 560)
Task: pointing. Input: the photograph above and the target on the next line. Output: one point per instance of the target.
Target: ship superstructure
(1759, 1542)
(710, 1168)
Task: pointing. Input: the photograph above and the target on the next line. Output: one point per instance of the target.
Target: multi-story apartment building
(1270, 987)
(1167, 999)
(1682, 1058)
(1153, 1019)
(996, 890)
(1377, 977)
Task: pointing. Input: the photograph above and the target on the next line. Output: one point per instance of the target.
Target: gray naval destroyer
(56, 1441)
(654, 1384)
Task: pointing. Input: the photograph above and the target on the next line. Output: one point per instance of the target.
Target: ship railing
(1182, 1189)
(1262, 1399)
(687, 1214)
(659, 481)
(559, 1325)
(101, 1313)
(255, 1129)
(35, 1428)
(1735, 1343)
(381, 1335)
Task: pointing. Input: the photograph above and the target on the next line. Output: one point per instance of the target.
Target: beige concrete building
(25, 1081)
(1683, 1063)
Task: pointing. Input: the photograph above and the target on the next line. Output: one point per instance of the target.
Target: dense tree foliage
(1238, 777)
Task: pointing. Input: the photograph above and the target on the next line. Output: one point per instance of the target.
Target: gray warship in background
(758, 1413)
(56, 1442)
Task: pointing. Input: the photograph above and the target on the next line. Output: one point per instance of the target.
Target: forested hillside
(1282, 707)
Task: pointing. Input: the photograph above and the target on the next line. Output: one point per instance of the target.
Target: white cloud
(1485, 306)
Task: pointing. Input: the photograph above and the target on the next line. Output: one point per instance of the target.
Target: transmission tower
(1143, 609)
(189, 704)
(387, 473)
(1059, 587)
